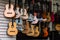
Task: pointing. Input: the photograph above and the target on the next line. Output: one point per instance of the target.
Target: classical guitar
(30, 18)
(35, 18)
(19, 24)
(24, 14)
(26, 29)
(12, 30)
(9, 11)
(36, 32)
(57, 27)
(31, 31)
(45, 30)
(17, 10)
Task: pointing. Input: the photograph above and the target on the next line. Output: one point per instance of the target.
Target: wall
(4, 22)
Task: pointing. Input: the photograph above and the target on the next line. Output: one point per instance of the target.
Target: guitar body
(35, 19)
(31, 31)
(30, 18)
(36, 32)
(17, 12)
(57, 27)
(24, 15)
(19, 24)
(26, 29)
(45, 30)
(12, 31)
(9, 12)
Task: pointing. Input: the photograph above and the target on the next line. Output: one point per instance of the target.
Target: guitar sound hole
(12, 31)
(9, 13)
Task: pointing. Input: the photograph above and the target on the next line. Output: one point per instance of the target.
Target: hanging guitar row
(30, 23)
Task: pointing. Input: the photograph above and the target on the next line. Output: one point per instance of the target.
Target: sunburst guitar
(12, 30)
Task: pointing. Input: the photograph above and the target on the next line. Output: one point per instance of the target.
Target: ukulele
(9, 11)
(24, 14)
(36, 32)
(17, 10)
(35, 18)
(45, 31)
(48, 17)
(26, 29)
(57, 27)
(31, 31)
(19, 24)
(12, 30)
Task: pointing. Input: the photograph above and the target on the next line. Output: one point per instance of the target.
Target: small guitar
(57, 27)
(48, 17)
(9, 11)
(17, 12)
(17, 9)
(24, 14)
(31, 31)
(35, 18)
(30, 18)
(45, 32)
(12, 31)
(26, 29)
(36, 32)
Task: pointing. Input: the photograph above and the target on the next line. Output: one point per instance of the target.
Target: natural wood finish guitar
(12, 31)
(31, 31)
(45, 31)
(36, 32)
(57, 27)
(9, 12)
(26, 28)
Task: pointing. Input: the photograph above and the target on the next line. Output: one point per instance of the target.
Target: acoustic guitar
(9, 11)
(24, 14)
(31, 31)
(48, 17)
(57, 27)
(12, 30)
(45, 30)
(36, 32)
(35, 18)
(26, 29)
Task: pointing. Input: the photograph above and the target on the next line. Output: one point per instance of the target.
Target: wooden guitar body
(57, 27)
(36, 32)
(35, 19)
(12, 31)
(17, 12)
(24, 15)
(19, 24)
(31, 31)
(9, 12)
(26, 29)
(45, 30)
